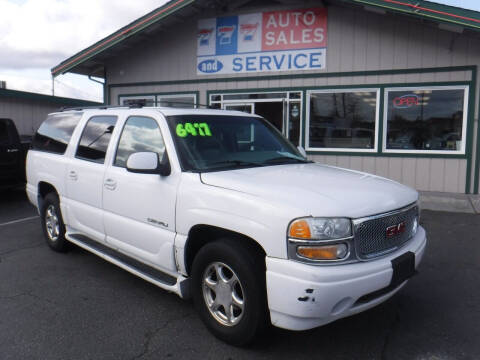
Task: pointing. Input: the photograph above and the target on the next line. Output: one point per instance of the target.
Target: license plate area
(403, 268)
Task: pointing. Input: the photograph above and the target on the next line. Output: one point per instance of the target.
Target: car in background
(13, 152)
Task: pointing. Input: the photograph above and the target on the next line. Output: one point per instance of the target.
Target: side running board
(163, 280)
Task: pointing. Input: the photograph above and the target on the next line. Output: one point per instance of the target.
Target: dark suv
(13, 150)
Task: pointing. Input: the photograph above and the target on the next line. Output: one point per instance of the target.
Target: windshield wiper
(235, 163)
(285, 159)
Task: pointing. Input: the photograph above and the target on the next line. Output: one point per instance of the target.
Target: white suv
(220, 206)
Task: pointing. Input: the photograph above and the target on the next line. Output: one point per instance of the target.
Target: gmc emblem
(396, 229)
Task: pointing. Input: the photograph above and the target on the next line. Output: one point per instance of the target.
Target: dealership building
(388, 87)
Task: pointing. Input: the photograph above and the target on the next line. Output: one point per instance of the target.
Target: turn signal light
(327, 252)
(300, 230)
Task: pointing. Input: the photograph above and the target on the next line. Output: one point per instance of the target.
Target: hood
(316, 189)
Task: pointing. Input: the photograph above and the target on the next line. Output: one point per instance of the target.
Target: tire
(245, 292)
(52, 223)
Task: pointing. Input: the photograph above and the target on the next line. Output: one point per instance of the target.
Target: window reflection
(140, 134)
(343, 119)
(95, 138)
(425, 119)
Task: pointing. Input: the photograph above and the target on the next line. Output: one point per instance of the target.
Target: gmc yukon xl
(219, 206)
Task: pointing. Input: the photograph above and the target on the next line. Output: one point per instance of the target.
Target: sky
(36, 35)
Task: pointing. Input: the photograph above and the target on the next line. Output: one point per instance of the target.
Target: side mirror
(302, 150)
(147, 163)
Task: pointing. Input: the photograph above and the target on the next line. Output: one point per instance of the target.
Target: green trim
(382, 154)
(381, 120)
(120, 35)
(476, 175)
(470, 122)
(304, 118)
(195, 92)
(300, 76)
(48, 98)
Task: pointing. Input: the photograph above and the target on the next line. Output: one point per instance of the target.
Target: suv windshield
(215, 142)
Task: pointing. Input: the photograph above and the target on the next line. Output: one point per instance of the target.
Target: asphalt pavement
(78, 306)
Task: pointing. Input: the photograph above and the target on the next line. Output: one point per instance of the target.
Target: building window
(426, 120)
(143, 100)
(343, 120)
(177, 101)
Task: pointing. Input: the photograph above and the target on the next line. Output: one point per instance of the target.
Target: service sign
(289, 40)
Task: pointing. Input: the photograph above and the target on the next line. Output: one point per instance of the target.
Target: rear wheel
(52, 223)
(229, 290)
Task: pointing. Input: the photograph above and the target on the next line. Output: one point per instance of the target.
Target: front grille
(370, 235)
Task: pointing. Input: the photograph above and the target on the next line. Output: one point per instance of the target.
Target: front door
(139, 209)
(273, 111)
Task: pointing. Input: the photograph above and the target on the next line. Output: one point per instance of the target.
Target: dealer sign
(289, 40)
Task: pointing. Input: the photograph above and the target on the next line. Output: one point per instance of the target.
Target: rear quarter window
(4, 134)
(55, 133)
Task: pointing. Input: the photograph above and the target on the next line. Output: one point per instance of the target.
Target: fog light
(325, 252)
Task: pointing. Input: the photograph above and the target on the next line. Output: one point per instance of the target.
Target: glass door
(282, 109)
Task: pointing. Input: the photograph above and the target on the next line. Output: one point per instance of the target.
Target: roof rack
(130, 106)
(100, 107)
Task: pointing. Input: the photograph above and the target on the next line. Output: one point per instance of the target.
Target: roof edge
(51, 98)
(438, 12)
(119, 35)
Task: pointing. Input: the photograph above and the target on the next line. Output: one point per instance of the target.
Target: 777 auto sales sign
(288, 40)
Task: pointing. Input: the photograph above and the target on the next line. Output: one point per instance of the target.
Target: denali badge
(396, 229)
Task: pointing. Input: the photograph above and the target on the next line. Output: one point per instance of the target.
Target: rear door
(11, 154)
(84, 178)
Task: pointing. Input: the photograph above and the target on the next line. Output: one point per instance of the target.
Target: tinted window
(55, 133)
(95, 138)
(4, 137)
(343, 120)
(425, 119)
(139, 134)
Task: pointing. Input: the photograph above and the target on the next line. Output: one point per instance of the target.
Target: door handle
(110, 184)
(73, 175)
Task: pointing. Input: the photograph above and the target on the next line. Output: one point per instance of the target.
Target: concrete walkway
(439, 201)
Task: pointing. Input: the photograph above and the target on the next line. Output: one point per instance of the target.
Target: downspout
(103, 83)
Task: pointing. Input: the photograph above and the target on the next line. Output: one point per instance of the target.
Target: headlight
(320, 228)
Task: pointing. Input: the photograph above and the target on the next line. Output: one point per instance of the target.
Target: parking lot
(77, 306)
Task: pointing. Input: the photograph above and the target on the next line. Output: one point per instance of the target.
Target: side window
(55, 132)
(139, 134)
(95, 138)
(4, 133)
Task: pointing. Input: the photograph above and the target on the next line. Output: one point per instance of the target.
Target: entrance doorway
(282, 109)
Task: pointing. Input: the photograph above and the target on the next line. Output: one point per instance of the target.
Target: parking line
(19, 220)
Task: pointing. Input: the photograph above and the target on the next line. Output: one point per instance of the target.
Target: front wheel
(229, 290)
